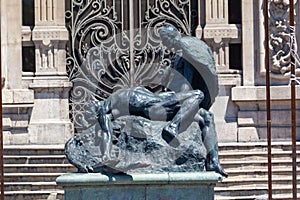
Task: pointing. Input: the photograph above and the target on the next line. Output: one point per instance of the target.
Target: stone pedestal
(165, 186)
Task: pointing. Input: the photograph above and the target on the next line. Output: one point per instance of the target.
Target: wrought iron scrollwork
(103, 56)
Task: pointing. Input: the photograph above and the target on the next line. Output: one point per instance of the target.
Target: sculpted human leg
(210, 140)
(184, 117)
(104, 119)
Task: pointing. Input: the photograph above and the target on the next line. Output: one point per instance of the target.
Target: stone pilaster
(50, 121)
(249, 33)
(218, 34)
(11, 43)
(18, 100)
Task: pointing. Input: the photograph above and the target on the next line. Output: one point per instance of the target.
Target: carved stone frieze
(218, 32)
(50, 34)
(48, 42)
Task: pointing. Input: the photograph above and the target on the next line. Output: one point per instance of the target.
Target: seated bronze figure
(179, 109)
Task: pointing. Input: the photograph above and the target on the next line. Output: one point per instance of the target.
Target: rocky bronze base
(138, 148)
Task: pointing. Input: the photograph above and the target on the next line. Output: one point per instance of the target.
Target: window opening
(28, 12)
(28, 59)
(235, 56)
(234, 12)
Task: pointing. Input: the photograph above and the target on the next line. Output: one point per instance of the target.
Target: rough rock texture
(138, 147)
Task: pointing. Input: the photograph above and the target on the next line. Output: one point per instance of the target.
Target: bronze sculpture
(179, 109)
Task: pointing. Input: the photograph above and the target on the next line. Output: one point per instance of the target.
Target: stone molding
(258, 93)
(46, 33)
(220, 32)
(26, 35)
(217, 12)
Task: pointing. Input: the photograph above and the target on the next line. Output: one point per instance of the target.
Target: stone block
(227, 132)
(7, 96)
(6, 121)
(15, 137)
(247, 118)
(247, 134)
(50, 132)
(258, 93)
(20, 137)
(278, 132)
(6, 137)
(225, 115)
(23, 96)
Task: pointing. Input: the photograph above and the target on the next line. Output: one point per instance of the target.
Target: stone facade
(35, 103)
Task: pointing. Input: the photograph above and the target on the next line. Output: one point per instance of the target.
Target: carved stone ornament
(280, 38)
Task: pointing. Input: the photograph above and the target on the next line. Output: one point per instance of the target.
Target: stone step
(257, 146)
(257, 197)
(258, 181)
(30, 186)
(33, 150)
(39, 168)
(251, 164)
(34, 195)
(244, 155)
(259, 172)
(246, 164)
(256, 161)
(35, 159)
(252, 191)
(31, 177)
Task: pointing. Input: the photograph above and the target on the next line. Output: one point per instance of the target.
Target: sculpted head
(169, 35)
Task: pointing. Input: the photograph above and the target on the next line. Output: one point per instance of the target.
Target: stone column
(50, 121)
(11, 43)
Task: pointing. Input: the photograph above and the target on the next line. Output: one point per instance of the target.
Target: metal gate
(115, 44)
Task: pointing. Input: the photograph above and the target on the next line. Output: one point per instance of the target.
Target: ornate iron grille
(115, 44)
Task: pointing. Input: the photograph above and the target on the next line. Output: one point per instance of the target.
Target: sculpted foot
(169, 134)
(217, 168)
(213, 164)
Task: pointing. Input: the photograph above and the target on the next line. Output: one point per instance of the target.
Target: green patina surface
(164, 186)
